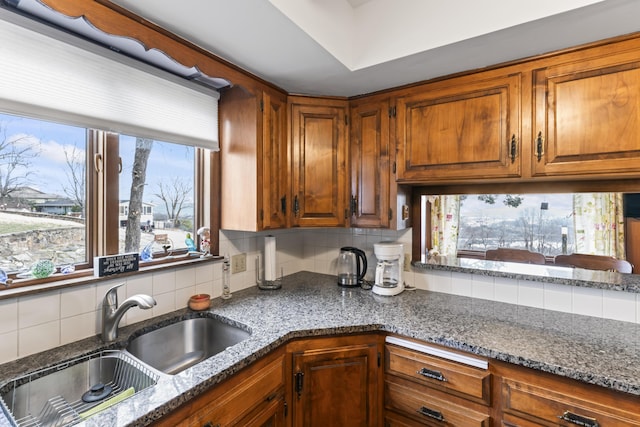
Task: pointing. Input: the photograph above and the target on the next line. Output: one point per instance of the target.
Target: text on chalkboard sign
(115, 264)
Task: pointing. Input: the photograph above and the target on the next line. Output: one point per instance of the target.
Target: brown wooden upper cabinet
(255, 171)
(370, 168)
(587, 115)
(376, 200)
(319, 144)
(460, 128)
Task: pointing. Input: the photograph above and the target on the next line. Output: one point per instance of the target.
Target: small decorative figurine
(4, 278)
(191, 245)
(205, 241)
(147, 254)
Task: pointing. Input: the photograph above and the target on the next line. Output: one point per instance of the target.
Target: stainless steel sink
(62, 395)
(178, 346)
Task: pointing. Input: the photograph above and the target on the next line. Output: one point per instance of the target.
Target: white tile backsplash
(38, 309)
(619, 306)
(587, 301)
(9, 347)
(482, 287)
(35, 323)
(530, 294)
(77, 327)
(38, 338)
(8, 316)
(77, 300)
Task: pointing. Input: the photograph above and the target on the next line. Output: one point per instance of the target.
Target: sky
(48, 170)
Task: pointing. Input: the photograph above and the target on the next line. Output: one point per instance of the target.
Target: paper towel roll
(269, 258)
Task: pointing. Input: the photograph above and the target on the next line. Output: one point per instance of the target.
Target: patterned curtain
(445, 218)
(599, 224)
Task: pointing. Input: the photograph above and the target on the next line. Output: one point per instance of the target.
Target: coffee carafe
(388, 278)
(352, 266)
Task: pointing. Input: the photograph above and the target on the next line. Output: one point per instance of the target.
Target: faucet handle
(111, 297)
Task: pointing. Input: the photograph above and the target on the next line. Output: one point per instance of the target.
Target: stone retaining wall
(21, 250)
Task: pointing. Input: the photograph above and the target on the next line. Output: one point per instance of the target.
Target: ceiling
(354, 47)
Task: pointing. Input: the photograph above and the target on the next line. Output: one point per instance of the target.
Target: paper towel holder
(267, 284)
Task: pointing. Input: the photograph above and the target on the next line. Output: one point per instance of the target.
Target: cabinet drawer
(240, 399)
(456, 378)
(430, 410)
(549, 407)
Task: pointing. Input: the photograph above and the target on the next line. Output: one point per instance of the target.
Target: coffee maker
(388, 278)
(352, 266)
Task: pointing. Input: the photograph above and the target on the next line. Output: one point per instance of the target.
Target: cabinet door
(319, 143)
(587, 117)
(254, 169)
(336, 387)
(464, 129)
(370, 172)
(272, 413)
(248, 395)
(274, 162)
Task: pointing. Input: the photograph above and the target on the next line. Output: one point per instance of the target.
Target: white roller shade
(71, 81)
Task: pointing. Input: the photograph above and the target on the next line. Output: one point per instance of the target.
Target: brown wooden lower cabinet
(253, 397)
(340, 382)
(435, 390)
(533, 398)
(337, 382)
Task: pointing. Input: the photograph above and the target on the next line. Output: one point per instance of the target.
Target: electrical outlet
(407, 262)
(238, 263)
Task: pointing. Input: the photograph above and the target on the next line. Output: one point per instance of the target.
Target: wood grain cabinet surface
(253, 397)
(337, 382)
(255, 161)
(376, 200)
(586, 117)
(459, 129)
(319, 147)
(424, 389)
(533, 398)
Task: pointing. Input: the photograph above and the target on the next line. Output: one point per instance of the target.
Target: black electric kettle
(352, 266)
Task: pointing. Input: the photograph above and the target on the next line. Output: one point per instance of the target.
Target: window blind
(62, 78)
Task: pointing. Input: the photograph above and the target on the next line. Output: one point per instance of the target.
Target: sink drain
(97, 392)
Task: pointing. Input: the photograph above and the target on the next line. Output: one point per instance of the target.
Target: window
(551, 224)
(42, 193)
(54, 203)
(79, 186)
(158, 178)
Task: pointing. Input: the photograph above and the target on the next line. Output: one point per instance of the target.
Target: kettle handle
(361, 256)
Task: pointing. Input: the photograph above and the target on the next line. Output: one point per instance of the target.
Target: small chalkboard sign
(115, 264)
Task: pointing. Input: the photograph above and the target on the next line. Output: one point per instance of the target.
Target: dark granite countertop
(592, 350)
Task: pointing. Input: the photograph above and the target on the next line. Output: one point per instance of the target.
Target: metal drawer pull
(580, 420)
(436, 375)
(539, 146)
(431, 413)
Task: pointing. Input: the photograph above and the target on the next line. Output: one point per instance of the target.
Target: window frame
(103, 207)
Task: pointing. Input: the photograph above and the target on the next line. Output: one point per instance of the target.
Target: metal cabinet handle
(513, 148)
(429, 373)
(296, 206)
(283, 204)
(431, 413)
(209, 424)
(579, 420)
(539, 146)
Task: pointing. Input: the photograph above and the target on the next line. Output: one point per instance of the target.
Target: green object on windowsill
(43, 268)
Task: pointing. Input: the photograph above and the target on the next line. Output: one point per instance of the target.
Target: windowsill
(23, 287)
(535, 273)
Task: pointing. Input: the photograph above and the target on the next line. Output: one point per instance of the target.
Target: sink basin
(176, 347)
(62, 394)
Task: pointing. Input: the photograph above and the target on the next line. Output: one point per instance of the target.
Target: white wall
(31, 324)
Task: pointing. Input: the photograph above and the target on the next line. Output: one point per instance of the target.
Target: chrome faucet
(111, 313)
